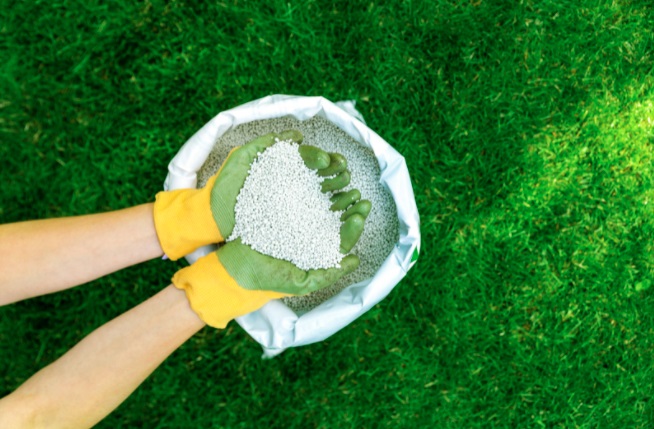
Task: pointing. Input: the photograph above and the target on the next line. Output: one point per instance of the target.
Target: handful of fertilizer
(382, 227)
(288, 211)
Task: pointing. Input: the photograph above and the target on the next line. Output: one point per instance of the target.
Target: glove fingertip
(313, 157)
(351, 230)
(350, 263)
(336, 183)
(337, 164)
(294, 135)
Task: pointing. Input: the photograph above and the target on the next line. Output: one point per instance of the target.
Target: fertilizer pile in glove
(281, 211)
(381, 231)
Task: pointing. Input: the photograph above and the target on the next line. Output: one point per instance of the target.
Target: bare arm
(94, 377)
(46, 256)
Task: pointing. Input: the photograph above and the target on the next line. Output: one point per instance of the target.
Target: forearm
(45, 256)
(95, 376)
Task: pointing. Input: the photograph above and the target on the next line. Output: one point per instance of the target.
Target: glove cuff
(184, 221)
(214, 295)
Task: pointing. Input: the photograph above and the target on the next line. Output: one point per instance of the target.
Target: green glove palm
(255, 271)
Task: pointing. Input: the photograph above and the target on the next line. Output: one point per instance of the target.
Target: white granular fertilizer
(281, 211)
(381, 230)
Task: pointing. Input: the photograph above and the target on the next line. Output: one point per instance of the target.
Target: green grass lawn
(528, 127)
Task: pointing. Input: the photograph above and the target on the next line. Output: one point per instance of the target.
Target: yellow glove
(183, 220)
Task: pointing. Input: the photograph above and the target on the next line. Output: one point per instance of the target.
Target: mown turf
(528, 129)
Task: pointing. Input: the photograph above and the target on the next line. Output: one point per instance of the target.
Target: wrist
(18, 412)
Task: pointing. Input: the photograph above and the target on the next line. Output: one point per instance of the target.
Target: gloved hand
(187, 219)
(236, 280)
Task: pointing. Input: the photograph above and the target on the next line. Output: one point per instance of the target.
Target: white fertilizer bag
(276, 326)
